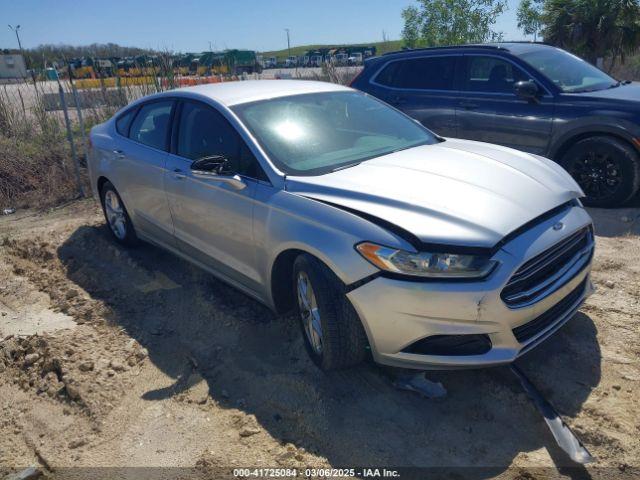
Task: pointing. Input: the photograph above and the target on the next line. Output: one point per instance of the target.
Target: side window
(491, 75)
(123, 122)
(151, 124)
(429, 73)
(389, 75)
(204, 132)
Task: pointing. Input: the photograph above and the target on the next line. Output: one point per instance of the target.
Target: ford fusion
(386, 239)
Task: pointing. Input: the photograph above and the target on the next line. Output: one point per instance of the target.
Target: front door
(213, 217)
(490, 111)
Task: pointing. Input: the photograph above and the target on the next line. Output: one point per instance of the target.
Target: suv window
(151, 124)
(428, 73)
(492, 75)
(204, 132)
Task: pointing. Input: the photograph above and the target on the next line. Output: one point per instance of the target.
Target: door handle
(119, 153)
(178, 174)
(469, 105)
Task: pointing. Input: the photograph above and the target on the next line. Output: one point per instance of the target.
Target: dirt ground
(134, 358)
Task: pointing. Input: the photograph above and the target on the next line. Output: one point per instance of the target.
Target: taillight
(356, 77)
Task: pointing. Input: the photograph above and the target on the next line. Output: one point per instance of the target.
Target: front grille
(555, 313)
(549, 271)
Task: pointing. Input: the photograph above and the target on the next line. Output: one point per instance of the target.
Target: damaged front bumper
(431, 325)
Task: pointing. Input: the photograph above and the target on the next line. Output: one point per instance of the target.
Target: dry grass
(36, 167)
(630, 70)
(331, 73)
(33, 154)
(35, 172)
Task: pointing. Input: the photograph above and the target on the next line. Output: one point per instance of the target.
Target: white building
(12, 66)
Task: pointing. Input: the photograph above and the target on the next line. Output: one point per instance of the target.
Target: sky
(189, 25)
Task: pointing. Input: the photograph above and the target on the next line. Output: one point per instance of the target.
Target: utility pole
(15, 30)
(288, 42)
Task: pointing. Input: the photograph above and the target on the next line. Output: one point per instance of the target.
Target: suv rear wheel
(607, 170)
(332, 331)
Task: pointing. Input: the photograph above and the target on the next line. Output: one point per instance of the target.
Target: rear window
(151, 125)
(123, 122)
(429, 73)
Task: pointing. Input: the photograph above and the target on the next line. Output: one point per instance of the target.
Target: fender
(324, 231)
(570, 132)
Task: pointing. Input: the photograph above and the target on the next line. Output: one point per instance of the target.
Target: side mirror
(212, 165)
(527, 90)
(217, 167)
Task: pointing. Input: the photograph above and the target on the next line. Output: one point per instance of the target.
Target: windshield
(570, 73)
(317, 133)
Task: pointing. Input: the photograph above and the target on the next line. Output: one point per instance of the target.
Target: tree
(451, 22)
(593, 29)
(411, 30)
(529, 16)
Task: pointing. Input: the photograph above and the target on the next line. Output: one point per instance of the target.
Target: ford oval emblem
(558, 226)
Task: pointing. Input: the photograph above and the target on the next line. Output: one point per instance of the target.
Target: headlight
(425, 264)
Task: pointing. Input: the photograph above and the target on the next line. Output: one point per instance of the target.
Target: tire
(607, 169)
(121, 229)
(343, 339)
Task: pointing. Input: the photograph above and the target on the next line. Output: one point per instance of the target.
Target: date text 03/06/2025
(315, 472)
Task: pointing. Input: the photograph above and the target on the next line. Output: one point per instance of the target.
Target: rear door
(141, 160)
(213, 220)
(424, 88)
(491, 112)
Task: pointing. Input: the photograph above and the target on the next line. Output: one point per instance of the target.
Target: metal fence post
(76, 164)
(76, 98)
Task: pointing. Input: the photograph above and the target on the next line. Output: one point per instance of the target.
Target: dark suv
(528, 96)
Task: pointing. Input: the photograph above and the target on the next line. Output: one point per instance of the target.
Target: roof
(234, 93)
(509, 46)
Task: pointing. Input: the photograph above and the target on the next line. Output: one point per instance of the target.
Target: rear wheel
(332, 331)
(607, 170)
(117, 216)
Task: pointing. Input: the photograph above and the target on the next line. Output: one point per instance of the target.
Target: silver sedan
(386, 239)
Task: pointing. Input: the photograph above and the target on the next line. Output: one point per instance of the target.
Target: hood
(457, 192)
(625, 93)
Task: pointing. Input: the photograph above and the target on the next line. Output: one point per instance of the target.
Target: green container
(51, 74)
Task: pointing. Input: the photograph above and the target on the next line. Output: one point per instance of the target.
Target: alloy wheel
(597, 173)
(309, 313)
(115, 214)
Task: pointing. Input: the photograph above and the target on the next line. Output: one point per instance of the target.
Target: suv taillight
(356, 77)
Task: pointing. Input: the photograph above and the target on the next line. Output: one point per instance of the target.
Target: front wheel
(332, 331)
(607, 170)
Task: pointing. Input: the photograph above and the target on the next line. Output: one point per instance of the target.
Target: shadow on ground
(255, 361)
(617, 222)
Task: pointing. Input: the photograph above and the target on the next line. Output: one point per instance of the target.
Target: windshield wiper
(348, 165)
(587, 90)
